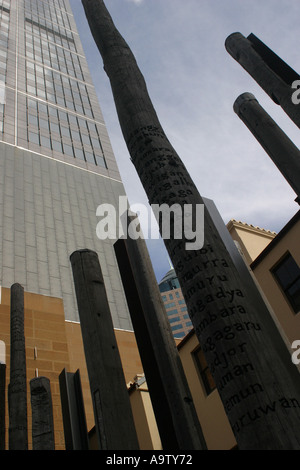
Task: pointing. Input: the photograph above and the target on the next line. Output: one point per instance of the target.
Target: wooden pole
(112, 410)
(17, 393)
(42, 414)
(274, 141)
(273, 75)
(171, 398)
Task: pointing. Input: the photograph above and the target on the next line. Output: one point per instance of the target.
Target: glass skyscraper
(56, 160)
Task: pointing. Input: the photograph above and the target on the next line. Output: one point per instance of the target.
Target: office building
(175, 305)
(56, 161)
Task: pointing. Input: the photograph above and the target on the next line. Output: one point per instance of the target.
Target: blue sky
(193, 83)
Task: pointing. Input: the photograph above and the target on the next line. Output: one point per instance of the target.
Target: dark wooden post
(271, 73)
(275, 142)
(261, 401)
(113, 415)
(17, 392)
(42, 414)
(172, 402)
(2, 393)
(75, 428)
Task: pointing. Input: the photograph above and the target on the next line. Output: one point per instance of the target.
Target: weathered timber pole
(112, 410)
(259, 397)
(2, 393)
(42, 414)
(75, 427)
(171, 398)
(275, 142)
(17, 392)
(271, 73)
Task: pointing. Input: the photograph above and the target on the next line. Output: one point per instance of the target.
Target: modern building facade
(175, 305)
(56, 161)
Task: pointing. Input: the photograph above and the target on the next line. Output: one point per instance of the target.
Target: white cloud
(137, 2)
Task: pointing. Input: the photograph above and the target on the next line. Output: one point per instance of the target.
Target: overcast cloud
(193, 83)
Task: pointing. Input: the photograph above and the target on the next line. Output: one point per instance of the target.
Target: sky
(193, 83)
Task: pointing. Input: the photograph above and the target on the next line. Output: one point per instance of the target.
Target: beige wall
(214, 422)
(252, 240)
(144, 418)
(288, 242)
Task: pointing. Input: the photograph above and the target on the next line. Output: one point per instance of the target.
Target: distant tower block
(270, 72)
(276, 143)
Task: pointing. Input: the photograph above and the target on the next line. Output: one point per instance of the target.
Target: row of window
(180, 326)
(45, 32)
(171, 296)
(52, 55)
(48, 10)
(54, 19)
(4, 31)
(57, 88)
(63, 132)
(172, 304)
(5, 5)
(175, 311)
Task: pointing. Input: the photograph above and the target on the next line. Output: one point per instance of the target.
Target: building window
(179, 335)
(176, 327)
(287, 274)
(172, 312)
(170, 305)
(203, 370)
(174, 319)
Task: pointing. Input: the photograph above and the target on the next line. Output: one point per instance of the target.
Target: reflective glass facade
(48, 102)
(56, 161)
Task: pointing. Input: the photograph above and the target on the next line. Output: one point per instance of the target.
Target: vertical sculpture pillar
(2, 393)
(170, 395)
(261, 400)
(42, 414)
(113, 415)
(275, 142)
(17, 393)
(271, 73)
(75, 428)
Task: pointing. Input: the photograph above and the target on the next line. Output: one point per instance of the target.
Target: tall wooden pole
(112, 410)
(171, 398)
(2, 393)
(17, 393)
(259, 397)
(271, 73)
(275, 142)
